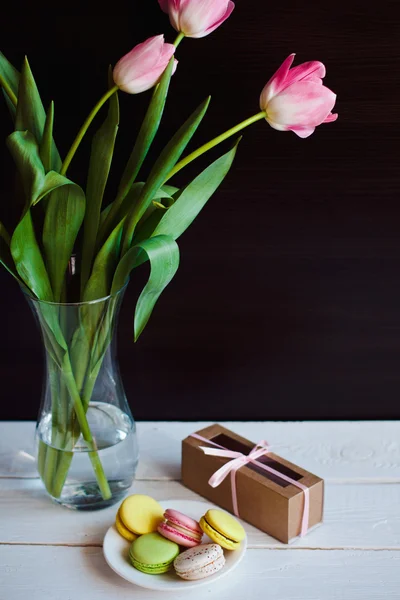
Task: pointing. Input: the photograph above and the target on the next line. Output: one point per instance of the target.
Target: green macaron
(152, 553)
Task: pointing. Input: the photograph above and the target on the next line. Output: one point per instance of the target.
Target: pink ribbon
(240, 460)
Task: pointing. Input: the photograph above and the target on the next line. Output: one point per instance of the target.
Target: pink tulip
(142, 67)
(197, 18)
(295, 99)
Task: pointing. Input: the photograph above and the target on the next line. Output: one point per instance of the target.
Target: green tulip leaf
(30, 114)
(99, 283)
(64, 216)
(9, 81)
(37, 184)
(142, 145)
(99, 168)
(28, 259)
(182, 213)
(163, 165)
(4, 235)
(163, 253)
(5, 255)
(46, 144)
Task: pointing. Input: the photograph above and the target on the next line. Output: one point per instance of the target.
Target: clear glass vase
(86, 441)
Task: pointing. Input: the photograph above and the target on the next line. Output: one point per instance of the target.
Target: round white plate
(116, 550)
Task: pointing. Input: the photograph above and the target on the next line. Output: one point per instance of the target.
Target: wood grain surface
(52, 553)
(286, 305)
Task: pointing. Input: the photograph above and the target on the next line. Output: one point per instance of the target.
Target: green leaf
(5, 255)
(31, 115)
(148, 129)
(99, 168)
(37, 184)
(163, 165)
(100, 280)
(142, 145)
(46, 145)
(164, 193)
(64, 216)
(163, 254)
(4, 234)
(28, 259)
(9, 80)
(182, 213)
(25, 152)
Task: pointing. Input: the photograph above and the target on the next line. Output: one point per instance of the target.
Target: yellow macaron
(124, 531)
(140, 514)
(222, 528)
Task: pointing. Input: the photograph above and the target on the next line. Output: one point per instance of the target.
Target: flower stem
(86, 433)
(224, 136)
(179, 39)
(84, 128)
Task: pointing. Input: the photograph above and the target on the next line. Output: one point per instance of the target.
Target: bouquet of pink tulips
(110, 238)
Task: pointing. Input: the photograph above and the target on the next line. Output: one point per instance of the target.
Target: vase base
(86, 496)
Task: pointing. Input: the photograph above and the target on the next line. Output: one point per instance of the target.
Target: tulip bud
(197, 18)
(142, 67)
(295, 99)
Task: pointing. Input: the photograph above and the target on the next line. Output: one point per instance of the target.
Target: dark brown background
(287, 302)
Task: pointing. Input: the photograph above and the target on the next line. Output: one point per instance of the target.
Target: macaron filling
(219, 533)
(172, 526)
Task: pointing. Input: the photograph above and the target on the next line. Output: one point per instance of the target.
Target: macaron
(181, 529)
(222, 528)
(199, 562)
(124, 531)
(140, 514)
(152, 553)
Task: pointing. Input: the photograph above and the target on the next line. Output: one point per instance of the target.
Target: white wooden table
(48, 552)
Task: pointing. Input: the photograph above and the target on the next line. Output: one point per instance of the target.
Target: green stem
(85, 127)
(86, 433)
(224, 136)
(8, 91)
(179, 39)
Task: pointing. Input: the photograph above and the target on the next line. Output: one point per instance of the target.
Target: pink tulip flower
(142, 67)
(295, 99)
(197, 18)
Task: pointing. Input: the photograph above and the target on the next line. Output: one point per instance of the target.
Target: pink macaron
(180, 529)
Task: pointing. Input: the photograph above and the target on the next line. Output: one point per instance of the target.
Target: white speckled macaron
(199, 562)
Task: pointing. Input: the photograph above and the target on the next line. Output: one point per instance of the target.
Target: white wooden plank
(356, 516)
(48, 573)
(340, 452)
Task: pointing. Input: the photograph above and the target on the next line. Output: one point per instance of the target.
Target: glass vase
(86, 439)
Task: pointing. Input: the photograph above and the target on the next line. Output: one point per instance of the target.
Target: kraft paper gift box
(268, 500)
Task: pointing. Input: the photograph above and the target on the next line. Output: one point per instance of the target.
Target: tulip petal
(331, 118)
(139, 60)
(303, 132)
(276, 83)
(198, 17)
(227, 14)
(309, 70)
(164, 4)
(303, 104)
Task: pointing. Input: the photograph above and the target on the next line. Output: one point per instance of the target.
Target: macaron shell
(225, 524)
(152, 553)
(217, 537)
(141, 514)
(152, 569)
(171, 533)
(183, 520)
(203, 572)
(199, 562)
(122, 530)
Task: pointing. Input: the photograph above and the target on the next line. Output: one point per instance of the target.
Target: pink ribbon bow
(238, 461)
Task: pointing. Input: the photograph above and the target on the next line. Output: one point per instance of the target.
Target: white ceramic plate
(116, 550)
